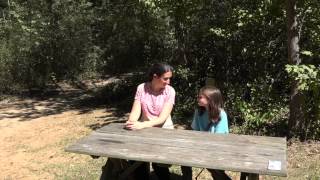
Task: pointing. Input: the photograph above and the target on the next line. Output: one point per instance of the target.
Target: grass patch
(87, 168)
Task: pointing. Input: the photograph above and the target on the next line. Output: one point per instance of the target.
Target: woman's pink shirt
(152, 104)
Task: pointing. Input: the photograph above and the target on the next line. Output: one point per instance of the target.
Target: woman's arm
(165, 113)
(134, 116)
(134, 125)
(135, 111)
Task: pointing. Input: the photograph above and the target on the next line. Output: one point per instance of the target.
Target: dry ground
(34, 133)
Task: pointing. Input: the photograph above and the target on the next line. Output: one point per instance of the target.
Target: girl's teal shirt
(201, 123)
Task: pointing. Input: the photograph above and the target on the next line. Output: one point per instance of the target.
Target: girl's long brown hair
(215, 102)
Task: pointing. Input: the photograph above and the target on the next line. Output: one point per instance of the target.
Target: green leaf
(307, 53)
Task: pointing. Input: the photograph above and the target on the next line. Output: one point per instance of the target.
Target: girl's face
(202, 101)
(163, 80)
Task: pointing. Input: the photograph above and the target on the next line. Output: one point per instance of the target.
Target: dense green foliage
(241, 44)
(308, 77)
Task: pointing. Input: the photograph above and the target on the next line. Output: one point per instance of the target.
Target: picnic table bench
(251, 155)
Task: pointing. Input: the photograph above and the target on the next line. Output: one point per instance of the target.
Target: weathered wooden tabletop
(231, 152)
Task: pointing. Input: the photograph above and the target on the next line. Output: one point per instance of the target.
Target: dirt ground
(35, 131)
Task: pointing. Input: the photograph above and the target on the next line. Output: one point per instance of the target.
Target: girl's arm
(194, 124)
(222, 126)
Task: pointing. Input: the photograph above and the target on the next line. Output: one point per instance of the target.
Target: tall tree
(296, 119)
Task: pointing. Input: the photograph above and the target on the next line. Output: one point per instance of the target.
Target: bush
(308, 77)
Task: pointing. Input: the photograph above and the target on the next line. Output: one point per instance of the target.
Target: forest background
(262, 54)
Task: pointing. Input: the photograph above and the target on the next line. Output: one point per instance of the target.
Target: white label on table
(274, 165)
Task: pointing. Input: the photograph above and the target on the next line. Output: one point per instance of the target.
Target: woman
(153, 102)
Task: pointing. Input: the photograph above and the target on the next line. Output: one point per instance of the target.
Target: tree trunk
(4, 3)
(296, 119)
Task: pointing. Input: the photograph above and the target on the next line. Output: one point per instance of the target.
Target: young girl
(209, 116)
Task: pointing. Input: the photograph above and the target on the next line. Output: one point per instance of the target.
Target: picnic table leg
(249, 176)
(107, 170)
(243, 176)
(112, 169)
(130, 170)
(253, 177)
(118, 169)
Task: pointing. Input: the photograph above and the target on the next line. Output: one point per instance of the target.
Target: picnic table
(251, 155)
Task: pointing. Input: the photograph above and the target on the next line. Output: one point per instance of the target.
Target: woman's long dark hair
(159, 69)
(215, 102)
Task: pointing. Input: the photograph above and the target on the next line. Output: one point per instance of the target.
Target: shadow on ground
(114, 117)
(51, 102)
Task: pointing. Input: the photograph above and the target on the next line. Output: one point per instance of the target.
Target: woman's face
(202, 101)
(163, 80)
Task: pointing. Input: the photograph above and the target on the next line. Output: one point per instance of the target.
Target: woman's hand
(134, 125)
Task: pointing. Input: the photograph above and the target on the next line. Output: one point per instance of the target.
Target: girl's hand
(134, 125)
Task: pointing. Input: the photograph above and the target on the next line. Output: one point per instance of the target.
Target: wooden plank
(117, 128)
(262, 145)
(203, 139)
(180, 143)
(188, 148)
(159, 153)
